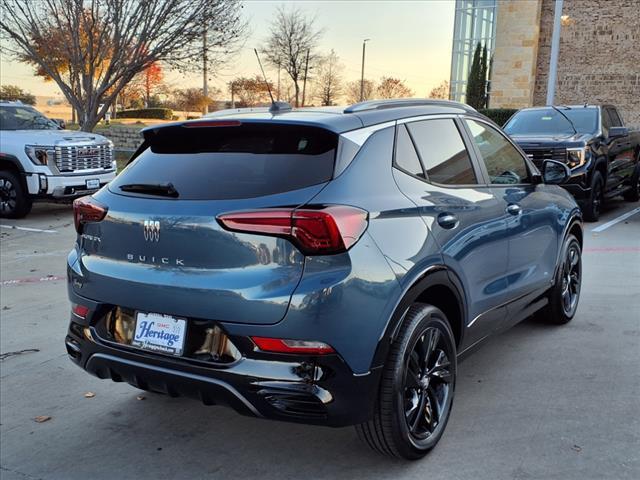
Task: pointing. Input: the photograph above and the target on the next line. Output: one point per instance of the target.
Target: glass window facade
(475, 21)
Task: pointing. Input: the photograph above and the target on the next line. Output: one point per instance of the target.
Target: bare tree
(441, 91)
(223, 35)
(390, 87)
(329, 79)
(352, 91)
(291, 45)
(93, 48)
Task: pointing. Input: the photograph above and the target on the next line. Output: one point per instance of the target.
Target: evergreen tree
(484, 65)
(475, 82)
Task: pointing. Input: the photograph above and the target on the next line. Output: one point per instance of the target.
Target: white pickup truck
(40, 160)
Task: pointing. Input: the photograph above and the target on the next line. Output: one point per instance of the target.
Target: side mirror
(555, 172)
(61, 123)
(618, 132)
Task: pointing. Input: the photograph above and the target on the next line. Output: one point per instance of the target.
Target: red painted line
(19, 281)
(612, 249)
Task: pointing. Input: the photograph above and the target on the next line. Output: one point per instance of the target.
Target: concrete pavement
(535, 402)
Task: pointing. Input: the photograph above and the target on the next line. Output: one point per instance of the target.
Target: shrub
(159, 113)
(12, 93)
(498, 115)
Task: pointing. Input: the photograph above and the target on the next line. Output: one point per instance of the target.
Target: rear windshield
(244, 161)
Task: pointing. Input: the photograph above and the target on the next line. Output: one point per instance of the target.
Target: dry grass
(63, 110)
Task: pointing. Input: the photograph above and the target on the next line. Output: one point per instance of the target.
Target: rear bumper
(318, 390)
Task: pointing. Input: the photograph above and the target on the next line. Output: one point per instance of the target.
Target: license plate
(159, 333)
(93, 183)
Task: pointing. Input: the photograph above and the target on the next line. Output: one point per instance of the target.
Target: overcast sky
(410, 40)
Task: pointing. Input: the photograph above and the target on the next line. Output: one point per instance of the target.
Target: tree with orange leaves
(93, 48)
(151, 78)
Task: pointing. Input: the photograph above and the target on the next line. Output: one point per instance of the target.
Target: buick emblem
(151, 231)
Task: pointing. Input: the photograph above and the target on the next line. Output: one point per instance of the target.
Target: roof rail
(404, 102)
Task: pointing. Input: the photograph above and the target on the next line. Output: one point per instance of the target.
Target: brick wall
(123, 138)
(599, 60)
(514, 59)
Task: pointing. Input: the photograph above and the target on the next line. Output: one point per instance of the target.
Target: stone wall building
(599, 58)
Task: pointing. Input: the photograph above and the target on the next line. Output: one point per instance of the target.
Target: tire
(414, 392)
(568, 282)
(633, 194)
(594, 204)
(14, 200)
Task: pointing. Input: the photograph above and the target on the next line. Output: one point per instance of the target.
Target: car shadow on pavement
(219, 442)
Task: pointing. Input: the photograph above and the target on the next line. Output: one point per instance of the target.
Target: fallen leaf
(89, 395)
(42, 418)
(577, 448)
(141, 397)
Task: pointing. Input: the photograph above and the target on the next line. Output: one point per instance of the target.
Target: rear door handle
(447, 220)
(514, 209)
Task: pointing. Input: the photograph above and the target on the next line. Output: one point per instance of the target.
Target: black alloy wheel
(427, 384)
(417, 387)
(596, 201)
(14, 201)
(8, 197)
(565, 294)
(594, 207)
(571, 280)
(633, 194)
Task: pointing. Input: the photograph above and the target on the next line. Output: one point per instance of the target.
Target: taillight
(279, 345)
(328, 230)
(87, 209)
(212, 123)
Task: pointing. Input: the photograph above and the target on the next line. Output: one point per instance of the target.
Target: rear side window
(442, 152)
(231, 162)
(615, 118)
(406, 157)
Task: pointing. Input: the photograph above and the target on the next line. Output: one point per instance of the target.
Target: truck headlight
(40, 155)
(575, 157)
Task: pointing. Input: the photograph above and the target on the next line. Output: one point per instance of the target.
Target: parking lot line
(18, 281)
(28, 229)
(611, 223)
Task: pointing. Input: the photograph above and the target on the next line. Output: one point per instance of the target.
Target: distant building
(599, 60)
(474, 23)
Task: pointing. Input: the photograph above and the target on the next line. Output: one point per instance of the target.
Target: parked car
(320, 266)
(603, 154)
(41, 160)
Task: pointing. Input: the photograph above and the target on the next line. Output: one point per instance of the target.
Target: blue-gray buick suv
(323, 266)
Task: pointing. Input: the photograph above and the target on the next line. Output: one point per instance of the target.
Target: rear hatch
(160, 248)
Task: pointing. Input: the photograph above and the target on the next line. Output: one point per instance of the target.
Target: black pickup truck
(603, 154)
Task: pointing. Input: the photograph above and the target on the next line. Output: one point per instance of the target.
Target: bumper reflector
(80, 311)
(279, 345)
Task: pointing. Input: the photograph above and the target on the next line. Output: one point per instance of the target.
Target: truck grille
(539, 155)
(76, 158)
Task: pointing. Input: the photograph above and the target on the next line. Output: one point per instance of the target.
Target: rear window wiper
(159, 189)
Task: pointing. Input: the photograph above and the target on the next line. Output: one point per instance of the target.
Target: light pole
(306, 72)
(364, 47)
(555, 50)
(205, 72)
